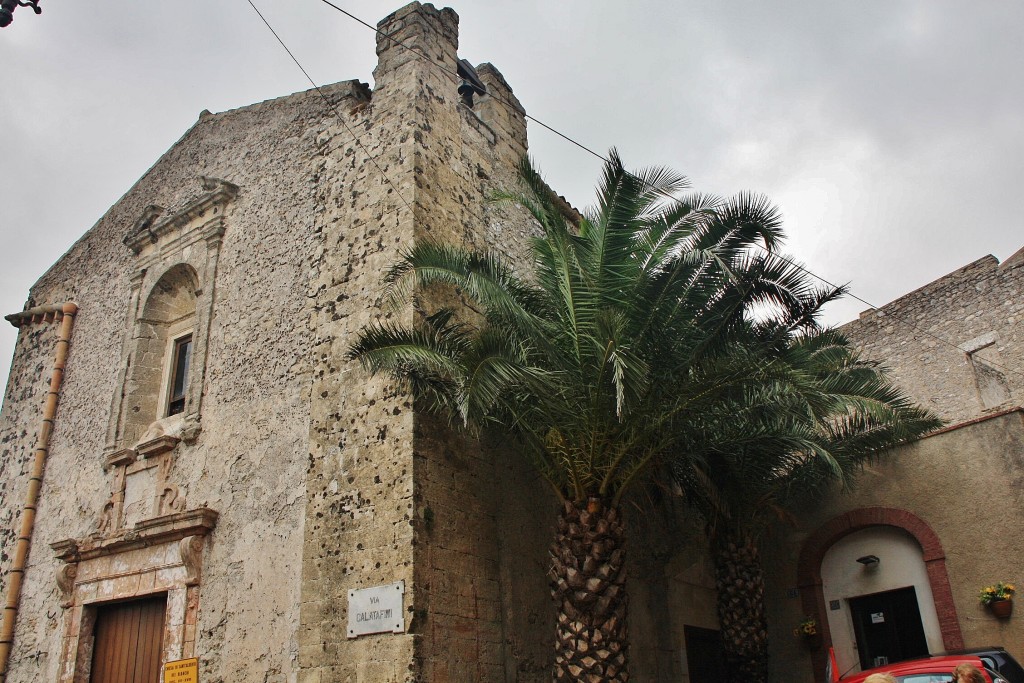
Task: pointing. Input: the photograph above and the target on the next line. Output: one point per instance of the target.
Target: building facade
(246, 502)
(207, 477)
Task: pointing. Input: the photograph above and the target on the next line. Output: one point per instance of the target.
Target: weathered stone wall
(22, 415)
(250, 458)
(977, 308)
(395, 495)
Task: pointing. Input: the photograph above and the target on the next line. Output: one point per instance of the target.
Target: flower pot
(1001, 608)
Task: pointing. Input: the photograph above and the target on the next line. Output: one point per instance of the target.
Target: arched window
(160, 364)
(159, 396)
(147, 528)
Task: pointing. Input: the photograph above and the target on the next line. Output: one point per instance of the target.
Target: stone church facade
(217, 471)
(282, 476)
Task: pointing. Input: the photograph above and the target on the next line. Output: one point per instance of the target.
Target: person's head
(966, 673)
(880, 678)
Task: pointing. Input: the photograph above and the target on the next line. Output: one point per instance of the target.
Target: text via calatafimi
(376, 614)
(376, 610)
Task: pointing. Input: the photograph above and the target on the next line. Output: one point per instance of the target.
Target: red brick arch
(818, 543)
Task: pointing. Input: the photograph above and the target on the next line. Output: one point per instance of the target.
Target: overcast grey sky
(890, 133)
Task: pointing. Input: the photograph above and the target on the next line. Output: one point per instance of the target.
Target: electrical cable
(562, 135)
(888, 314)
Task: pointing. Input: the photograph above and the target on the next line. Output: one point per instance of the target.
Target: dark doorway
(888, 627)
(129, 640)
(704, 655)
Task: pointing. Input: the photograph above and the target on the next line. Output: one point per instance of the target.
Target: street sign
(376, 610)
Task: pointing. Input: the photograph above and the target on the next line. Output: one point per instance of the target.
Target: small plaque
(834, 605)
(182, 671)
(878, 618)
(376, 610)
(793, 593)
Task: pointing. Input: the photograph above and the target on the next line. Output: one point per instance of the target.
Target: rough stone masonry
(318, 478)
(288, 477)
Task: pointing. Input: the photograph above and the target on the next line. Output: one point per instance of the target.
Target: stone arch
(177, 287)
(813, 552)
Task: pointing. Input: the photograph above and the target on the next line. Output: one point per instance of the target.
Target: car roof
(942, 664)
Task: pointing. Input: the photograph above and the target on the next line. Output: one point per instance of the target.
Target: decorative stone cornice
(155, 531)
(123, 457)
(149, 230)
(146, 221)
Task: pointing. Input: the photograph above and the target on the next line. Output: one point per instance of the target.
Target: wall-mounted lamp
(869, 561)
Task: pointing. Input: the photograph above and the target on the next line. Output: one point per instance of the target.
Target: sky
(889, 133)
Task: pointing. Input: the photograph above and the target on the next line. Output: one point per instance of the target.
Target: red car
(931, 670)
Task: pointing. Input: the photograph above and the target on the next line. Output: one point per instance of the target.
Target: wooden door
(128, 643)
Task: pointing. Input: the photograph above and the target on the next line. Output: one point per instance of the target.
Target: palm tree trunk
(739, 580)
(588, 584)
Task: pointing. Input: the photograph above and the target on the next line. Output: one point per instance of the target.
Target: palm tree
(595, 362)
(790, 441)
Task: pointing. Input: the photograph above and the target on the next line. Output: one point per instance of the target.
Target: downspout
(66, 316)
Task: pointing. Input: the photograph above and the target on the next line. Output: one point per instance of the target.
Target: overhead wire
(332, 106)
(887, 314)
(420, 55)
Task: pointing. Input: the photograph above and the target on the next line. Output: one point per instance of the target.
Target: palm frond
(657, 328)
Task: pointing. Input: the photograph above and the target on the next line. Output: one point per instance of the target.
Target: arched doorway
(916, 530)
(880, 604)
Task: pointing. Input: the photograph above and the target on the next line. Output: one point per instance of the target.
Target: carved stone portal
(146, 566)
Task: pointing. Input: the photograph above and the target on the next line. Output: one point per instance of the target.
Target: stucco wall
(955, 345)
(965, 484)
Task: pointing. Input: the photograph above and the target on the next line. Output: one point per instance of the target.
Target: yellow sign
(182, 671)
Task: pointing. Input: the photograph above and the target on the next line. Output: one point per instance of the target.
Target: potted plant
(999, 598)
(807, 630)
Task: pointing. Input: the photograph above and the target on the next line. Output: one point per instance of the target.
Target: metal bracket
(7, 8)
